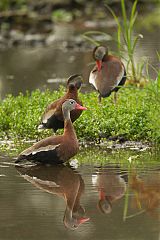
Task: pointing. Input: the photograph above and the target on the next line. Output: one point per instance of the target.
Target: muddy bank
(14, 147)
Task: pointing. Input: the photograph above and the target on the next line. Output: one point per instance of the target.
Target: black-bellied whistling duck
(111, 187)
(53, 116)
(56, 149)
(108, 74)
(63, 182)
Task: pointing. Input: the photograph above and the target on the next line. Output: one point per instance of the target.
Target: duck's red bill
(99, 64)
(83, 220)
(102, 195)
(78, 106)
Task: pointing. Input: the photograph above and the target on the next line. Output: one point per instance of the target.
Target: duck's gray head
(71, 104)
(105, 206)
(99, 52)
(73, 223)
(75, 81)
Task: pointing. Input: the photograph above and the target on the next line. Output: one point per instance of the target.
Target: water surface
(118, 202)
(34, 200)
(28, 68)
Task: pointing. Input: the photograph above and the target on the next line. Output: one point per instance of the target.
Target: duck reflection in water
(65, 183)
(111, 187)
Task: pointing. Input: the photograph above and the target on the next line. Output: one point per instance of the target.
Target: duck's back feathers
(43, 151)
(53, 116)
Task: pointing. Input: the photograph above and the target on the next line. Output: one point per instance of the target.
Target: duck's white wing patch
(41, 184)
(119, 77)
(47, 115)
(92, 79)
(47, 148)
(35, 179)
(41, 149)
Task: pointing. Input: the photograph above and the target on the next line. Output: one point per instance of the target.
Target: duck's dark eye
(71, 102)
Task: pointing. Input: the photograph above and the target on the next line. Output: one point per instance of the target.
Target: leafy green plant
(136, 115)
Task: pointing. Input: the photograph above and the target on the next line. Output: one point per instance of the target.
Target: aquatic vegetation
(135, 117)
(99, 155)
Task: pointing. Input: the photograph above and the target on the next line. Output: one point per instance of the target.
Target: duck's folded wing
(50, 110)
(43, 153)
(43, 149)
(48, 114)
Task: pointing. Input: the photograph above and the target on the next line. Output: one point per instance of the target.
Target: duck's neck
(72, 91)
(69, 129)
(66, 115)
(105, 57)
(68, 126)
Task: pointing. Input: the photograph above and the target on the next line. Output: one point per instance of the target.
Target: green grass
(136, 115)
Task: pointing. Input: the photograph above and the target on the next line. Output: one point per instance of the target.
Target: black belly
(53, 123)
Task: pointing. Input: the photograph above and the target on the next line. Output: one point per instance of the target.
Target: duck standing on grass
(108, 74)
(53, 116)
(56, 149)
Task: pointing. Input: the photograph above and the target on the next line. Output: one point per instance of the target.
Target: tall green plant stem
(125, 33)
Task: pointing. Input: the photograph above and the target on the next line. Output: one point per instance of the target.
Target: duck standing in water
(56, 149)
(53, 116)
(108, 74)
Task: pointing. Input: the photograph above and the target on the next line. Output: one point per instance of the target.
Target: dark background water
(28, 68)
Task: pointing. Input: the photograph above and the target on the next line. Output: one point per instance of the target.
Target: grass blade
(114, 16)
(90, 40)
(133, 12)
